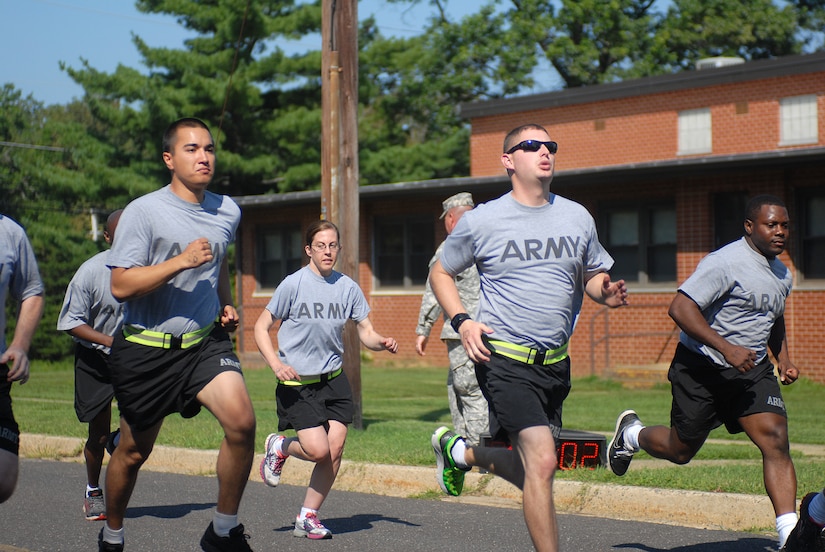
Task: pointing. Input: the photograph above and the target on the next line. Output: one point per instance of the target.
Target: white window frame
(695, 132)
(798, 120)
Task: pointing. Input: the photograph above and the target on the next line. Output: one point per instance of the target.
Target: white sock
(816, 509)
(631, 437)
(284, 447)
(784, 525)
(457, 452)
(223, 523)
(112, 536)
(304, 511)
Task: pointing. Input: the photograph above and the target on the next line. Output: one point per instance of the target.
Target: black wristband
(458, 320)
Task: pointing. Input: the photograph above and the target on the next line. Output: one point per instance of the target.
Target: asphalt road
(169, 512)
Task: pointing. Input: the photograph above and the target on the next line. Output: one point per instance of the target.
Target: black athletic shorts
(314, 404)
(9, 430)
(150, 383)
(707, 395)
(93, 390)
(523, 395)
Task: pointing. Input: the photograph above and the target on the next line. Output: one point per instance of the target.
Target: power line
(32, 146)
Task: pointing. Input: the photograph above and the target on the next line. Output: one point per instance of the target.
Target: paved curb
(704, 510)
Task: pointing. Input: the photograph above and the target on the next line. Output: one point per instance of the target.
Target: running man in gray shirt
(92, 316)
(174, 355)
(731, 312)
(537, 255)
(19, 280)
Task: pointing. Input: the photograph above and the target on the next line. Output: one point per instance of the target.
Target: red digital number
(569, 459)
(591, 460)
(562, 453)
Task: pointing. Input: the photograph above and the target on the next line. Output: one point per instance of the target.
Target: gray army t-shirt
(741, 293)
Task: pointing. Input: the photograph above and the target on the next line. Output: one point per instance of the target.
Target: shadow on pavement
(738, 545)
(353, 524)
(171, 511)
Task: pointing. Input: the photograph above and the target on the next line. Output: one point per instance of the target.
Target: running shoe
(450, 477)
(103, 546)
(273, 462)
(93, 505)
(807, 536)
(311, 528)
(112, 440)
(235, 542)
(618, 454)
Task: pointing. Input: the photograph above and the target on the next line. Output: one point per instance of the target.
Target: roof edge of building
(683, 80)
(572, 176)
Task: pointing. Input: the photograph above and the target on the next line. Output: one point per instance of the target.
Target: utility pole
(339, 156)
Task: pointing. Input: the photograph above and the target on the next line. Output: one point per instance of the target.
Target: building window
(728, 217)
(642, 242)
(812, 237)
(798, 121)
(695, 132)
(280, 253)
(403, 249)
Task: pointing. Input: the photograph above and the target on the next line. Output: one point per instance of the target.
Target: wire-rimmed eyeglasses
(319, 247)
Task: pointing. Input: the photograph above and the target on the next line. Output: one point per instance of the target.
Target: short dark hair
(513, 134)
(172, 130)
(757, 202)
(113, 218)
(320, 226)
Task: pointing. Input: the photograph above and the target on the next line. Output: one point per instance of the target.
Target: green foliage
(58, 245)
(756, 29)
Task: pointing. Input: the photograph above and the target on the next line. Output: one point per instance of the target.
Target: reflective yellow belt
(526, 354)
(318, 379)
(162, 340)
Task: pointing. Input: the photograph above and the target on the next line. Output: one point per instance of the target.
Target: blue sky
(35, 35)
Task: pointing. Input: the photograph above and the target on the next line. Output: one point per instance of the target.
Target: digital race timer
(581, 449)
(575, 449)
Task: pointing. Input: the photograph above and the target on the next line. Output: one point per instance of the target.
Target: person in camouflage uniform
(468, 407)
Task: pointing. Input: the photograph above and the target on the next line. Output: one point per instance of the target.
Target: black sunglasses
(534, 145)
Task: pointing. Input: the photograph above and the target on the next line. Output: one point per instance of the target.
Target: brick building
(665, 164)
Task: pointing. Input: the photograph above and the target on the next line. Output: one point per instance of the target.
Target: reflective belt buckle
(174, 342)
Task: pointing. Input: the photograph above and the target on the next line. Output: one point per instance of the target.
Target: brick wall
(644, 128)
(745, 118)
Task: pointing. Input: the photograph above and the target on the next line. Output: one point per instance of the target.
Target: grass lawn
(402, 405)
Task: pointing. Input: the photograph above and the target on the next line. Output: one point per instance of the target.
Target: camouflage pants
(468, 407)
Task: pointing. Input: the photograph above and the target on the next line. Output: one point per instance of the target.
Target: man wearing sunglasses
(537, 254)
